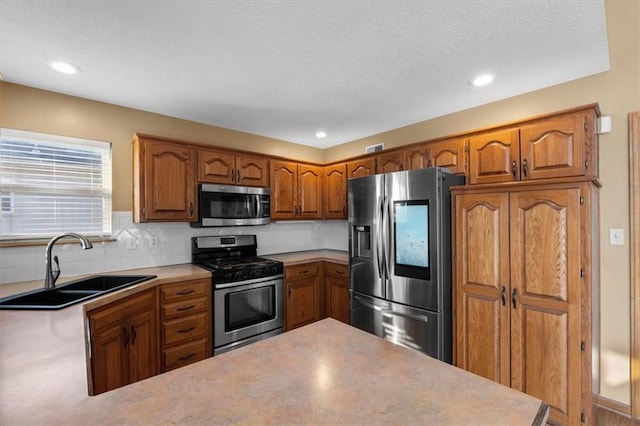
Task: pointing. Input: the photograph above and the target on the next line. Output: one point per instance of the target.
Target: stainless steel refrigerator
(400, 257)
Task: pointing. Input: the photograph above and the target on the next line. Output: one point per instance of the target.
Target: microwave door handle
(258, 205)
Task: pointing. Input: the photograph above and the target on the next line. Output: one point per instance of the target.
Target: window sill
(45, 241)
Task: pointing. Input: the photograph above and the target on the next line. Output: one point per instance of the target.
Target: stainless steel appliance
(229, 205)
(247, 290)
(400, 257)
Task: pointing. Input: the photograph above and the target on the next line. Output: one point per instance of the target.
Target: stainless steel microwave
(229, 205)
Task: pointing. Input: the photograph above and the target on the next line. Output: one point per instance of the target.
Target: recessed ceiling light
(64, 67)
(482, 80)
(321, 134)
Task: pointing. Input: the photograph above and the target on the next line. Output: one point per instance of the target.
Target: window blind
(52, 184)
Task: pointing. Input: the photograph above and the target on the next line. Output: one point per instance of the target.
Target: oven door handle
(259, 281)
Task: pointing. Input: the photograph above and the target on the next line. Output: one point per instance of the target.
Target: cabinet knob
(514, 297)
(514, 169)
(233, 175)
(238, 176)
(525, 167)
(503, 296)
(190, 209)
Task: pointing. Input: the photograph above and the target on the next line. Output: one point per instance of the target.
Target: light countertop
(294, 258)
(326, 372)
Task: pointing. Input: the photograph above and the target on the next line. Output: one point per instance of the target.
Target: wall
(25, 108)
(617, 92)
(27, 263)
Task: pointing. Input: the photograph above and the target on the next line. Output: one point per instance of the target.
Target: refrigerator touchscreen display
(411, 226)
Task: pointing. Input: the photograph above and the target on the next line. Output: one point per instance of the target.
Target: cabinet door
(284, 185)
(449, 153)
(545, 299)
(360, 168)
(143, 346)
(309, 194)
(553, 148)
(169, 182)
(252, 171)
(389, 162)
(337, 285)
(216, 167)
(415, 157)
(494, 157)
(109, 359)
(335, 191)
(303, 304)
(482, 285)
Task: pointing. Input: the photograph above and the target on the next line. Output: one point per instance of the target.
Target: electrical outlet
(616, 237)
(132, 244)
(154, 242)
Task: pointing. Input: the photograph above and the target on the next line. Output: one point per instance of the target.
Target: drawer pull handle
(340, 272)
(306, 271)
(186, 357)
(187, 291)
(186, 308)
(186, 330)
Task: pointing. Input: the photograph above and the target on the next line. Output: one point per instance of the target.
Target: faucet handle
(55, 272)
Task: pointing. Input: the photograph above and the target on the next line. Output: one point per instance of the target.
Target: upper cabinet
(223, 167)
(362, 167)
(335, 191)
(388, 162)
(296, 190)
(415, 157)
(553, 147)
(164, 181)
(449, 153)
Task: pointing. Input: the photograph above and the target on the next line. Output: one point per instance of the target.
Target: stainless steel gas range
(247, 290)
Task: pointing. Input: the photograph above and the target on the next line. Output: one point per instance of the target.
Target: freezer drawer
(403, 325)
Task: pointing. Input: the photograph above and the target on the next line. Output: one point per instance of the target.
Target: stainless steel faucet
(50, 275)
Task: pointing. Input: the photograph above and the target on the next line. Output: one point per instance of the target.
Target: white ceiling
(286, 69)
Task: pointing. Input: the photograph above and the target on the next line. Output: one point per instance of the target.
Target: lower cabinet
(123, 342)
(185, 315)
(337, 291)
(316, 290)
(302, 294)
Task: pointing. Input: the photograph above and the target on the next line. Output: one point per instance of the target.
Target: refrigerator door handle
(380, 239)
(368, 304)
(389, 313)
(387, 235)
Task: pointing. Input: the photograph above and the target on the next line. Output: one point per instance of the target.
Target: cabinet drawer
(120, 309)
(182, 355)
(184, 290)
(183, 307)
(184, 328)
(337, 270)
(304, 270)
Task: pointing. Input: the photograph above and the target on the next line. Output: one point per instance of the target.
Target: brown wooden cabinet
(164, 184)
(525, 276)
(335, 191)
(449, 153)
(362, 167)
(296, 190)
(225, 167)
(415, 157)
(186, 325)
(336, 277)
(303, 292)
(557, 146)
(388, 162)
(123, 342)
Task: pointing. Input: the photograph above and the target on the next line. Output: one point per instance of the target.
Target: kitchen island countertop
(326, 372)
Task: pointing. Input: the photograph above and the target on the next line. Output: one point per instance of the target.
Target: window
(53, 184)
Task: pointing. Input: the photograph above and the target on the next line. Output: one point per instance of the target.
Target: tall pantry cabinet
(526, 288)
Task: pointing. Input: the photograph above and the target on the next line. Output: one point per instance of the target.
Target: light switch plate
(616, 237)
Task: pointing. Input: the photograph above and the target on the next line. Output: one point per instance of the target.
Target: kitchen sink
(72, 292)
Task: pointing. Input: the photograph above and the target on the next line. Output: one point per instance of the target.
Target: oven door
(246, 310)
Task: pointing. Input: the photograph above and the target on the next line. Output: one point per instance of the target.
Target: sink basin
(71, 293)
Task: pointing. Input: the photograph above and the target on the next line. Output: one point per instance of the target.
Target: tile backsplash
(135, 246)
